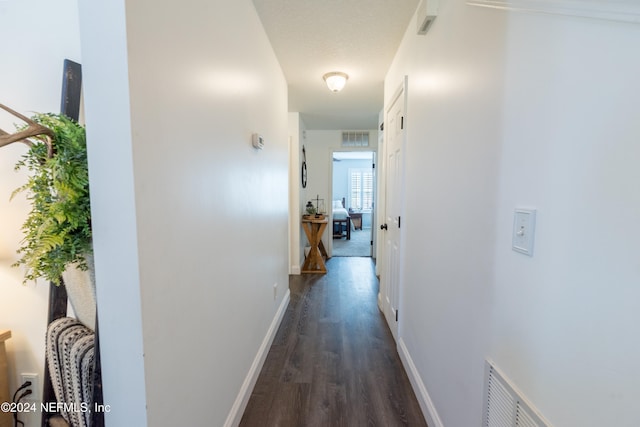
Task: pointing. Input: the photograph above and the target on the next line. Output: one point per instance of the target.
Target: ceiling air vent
(427, 12)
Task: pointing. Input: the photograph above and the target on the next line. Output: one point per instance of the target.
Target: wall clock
(304, 168)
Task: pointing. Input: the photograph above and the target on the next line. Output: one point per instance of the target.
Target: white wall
(109, 145)
(451, 161)
(508, 110)
(563, 321)
(297, 194)
(210, 232)
(37, 37)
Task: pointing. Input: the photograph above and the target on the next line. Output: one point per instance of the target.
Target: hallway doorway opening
(353, 186)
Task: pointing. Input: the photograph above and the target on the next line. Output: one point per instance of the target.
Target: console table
(313, 228)
(5, 417)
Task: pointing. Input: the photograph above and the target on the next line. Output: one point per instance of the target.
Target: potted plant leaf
(57, 232)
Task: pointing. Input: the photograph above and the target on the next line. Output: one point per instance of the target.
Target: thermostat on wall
(258, 141)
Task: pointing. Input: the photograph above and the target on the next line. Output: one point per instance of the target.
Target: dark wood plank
(333, 361)
(57, 310)
(69, 106)
(71, 89)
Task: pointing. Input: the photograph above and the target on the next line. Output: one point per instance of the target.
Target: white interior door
(394, 128)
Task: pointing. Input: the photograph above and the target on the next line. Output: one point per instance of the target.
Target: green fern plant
(57, 231)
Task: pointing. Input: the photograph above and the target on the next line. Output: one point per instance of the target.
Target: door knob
(383, 227)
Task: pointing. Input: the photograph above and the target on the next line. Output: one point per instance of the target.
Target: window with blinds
(355, 139)
(361, 189)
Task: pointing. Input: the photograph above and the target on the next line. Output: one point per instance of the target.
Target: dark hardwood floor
(333, 361)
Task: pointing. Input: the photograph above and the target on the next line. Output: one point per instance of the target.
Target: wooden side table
(5, 417)
(314, 228)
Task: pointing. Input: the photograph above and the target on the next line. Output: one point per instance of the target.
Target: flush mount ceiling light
(335, 80)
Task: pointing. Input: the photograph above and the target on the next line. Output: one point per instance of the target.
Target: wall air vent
(504, 405)
(355, 139)
(426, 14)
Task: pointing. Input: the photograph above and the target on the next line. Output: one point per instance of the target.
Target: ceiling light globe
(335, 80)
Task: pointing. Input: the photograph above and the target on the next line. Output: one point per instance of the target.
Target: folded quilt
(70, 355)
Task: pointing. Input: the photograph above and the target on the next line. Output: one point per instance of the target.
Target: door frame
(374, 236)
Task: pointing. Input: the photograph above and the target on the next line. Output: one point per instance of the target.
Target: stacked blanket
(70, 354)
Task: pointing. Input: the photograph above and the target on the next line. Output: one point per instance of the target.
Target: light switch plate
(524, 226)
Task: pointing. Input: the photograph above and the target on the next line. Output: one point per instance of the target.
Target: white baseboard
(295, 269)
(426, 404)
(237, 410)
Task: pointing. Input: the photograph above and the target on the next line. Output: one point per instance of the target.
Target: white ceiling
(358, 37)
